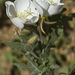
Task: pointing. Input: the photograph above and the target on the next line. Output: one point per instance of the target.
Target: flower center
(24, 14)
(52, 3)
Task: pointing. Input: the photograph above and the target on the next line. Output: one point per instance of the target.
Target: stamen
(24, 14)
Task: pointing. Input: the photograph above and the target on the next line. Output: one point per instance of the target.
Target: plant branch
(30, 62)
(42, 42)
(31, 52)
(71, 71)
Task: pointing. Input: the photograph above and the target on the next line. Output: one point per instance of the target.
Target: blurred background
(64, 53)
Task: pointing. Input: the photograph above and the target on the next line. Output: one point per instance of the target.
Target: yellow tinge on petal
(32, 40)
(52, 3)
(24, 14)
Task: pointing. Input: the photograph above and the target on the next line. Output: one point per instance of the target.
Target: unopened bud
(32, 40)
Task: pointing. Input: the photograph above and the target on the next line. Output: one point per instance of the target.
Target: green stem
(48, 44)
(71, 71)
(47, 22)
(51, 72)
(42, 42)
(16, 33)
(32, 53)
(41, 25)
(36, 68)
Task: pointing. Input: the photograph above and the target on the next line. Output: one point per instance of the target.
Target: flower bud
(32, 40)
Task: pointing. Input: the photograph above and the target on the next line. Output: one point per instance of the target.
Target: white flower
(21, 12)
(48, 7)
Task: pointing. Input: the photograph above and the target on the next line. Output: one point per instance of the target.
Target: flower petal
(32, 6)
(10, 9)
(60, 4)
(56, 1)
(35, 14)
(43, 4)
(55, 9)
(42, 7)
(21, 5)
(38, 7)
(18, 22)
(32, 18)
(35, 17)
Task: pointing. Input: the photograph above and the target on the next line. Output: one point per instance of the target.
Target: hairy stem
(32, 53)
(42, 42)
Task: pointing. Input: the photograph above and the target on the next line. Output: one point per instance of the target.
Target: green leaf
(35, 66)
(54, 38)
(73, 70)
(60, 31)
(24, 66)
(15, 45)
(24, 38)
(51, 59)
(72, 64)
(45, 40)
(43, 57)
(54, 66)
(40, 67)
(59, 58)
(63, 69)
(44, 69)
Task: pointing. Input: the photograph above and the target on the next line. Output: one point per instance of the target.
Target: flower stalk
(42, 42)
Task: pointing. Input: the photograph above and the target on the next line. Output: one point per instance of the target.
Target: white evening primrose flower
(48, 7)
(55, 7)
(21, 12)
